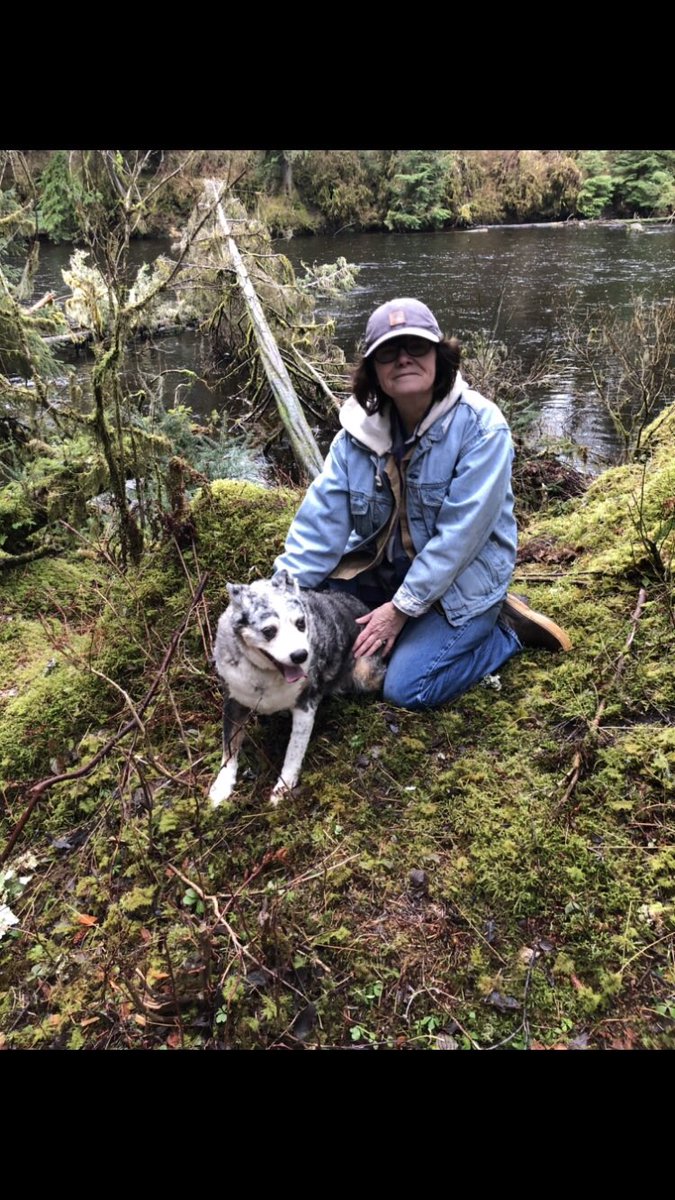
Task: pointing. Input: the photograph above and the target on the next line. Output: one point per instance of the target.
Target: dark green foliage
(595, 196)
(417, 191)
(644, 182)
(59, 192)
(627, 183)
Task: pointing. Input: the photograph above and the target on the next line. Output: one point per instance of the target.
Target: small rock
(493, 682)
(503, 1003)
(418, 879)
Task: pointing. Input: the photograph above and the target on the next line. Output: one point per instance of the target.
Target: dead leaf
(625, 1041)
(305, 1022)
(576, 983)
(173, 1040)
(85, 919)
(154, 976)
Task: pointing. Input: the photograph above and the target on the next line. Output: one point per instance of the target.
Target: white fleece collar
(374, 429)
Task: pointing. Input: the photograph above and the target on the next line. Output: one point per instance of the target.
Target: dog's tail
(368, 673)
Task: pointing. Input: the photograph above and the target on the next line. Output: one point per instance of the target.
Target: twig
(92, 546)
(478, 933)
(38, 789)
(240, 948)
(524, 1024)
(207, 649)
(314, 374)
(557, 575)
(172, 977)
(574, 774)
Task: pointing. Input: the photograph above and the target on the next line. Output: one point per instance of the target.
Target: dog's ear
(284, 582)
(234, 591)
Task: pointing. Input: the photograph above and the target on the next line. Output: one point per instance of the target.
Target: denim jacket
(459, 505)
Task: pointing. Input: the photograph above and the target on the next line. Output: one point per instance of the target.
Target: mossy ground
(424, 886)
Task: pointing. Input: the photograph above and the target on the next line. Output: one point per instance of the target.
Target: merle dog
(281, 648)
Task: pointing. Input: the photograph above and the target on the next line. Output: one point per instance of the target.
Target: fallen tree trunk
(302, 440)
(82, 337)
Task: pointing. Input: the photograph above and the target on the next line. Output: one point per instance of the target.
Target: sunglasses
(389, 351)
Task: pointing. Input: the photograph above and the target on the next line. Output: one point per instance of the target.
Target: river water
(512, 278)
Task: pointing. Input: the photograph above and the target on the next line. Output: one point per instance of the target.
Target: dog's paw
(279, 791)
(221, 788)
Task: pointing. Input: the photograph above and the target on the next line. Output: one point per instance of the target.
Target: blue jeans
(433, 661)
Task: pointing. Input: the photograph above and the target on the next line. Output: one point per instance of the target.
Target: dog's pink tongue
(292, 674)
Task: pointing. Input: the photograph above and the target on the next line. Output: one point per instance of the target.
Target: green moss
(39, 586)
(40, 723)
(138, 900)
(571, 902)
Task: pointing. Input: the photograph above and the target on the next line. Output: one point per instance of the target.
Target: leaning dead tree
(290, 410)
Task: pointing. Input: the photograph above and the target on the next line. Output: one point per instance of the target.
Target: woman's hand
(381, 628)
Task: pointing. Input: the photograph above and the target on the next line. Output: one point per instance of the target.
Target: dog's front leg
(234, 718)
(303, 723)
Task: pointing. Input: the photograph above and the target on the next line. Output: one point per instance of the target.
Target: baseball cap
(398, 317)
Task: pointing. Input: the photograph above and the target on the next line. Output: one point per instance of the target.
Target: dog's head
(269, 618)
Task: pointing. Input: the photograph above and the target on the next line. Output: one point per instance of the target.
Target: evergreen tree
(644, 182)
(418, 190)
(58, 198)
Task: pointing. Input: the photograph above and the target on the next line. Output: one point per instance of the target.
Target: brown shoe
(532, 628)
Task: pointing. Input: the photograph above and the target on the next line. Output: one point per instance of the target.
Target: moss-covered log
(290, 410)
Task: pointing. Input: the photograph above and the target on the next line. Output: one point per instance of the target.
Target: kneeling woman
(413, 512)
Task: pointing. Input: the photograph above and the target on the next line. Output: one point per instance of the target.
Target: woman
(413, 512)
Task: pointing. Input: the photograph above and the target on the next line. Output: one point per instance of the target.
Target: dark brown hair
(369, 394)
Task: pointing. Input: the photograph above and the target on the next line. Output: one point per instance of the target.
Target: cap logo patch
(397, 317)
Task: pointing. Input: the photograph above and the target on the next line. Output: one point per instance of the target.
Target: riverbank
(498, 873)
(298, 192)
